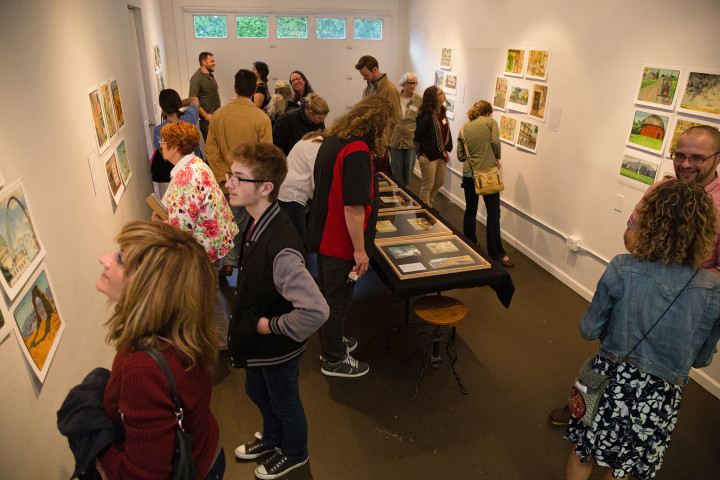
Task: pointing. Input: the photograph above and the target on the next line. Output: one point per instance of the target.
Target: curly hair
(676, 224)
(183, 135)
(266, 161)
(479, 109)
(373, 119)
(154, 305)
(430, 100)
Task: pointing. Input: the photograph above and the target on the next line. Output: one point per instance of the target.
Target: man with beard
(204, 86)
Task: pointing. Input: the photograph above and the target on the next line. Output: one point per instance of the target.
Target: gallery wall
(52, 52)
(570, 186)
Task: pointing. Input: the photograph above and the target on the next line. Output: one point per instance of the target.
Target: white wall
(53, 51)
(596, 52)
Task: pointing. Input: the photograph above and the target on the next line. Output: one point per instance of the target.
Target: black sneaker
(253, 449)
(350, 345)
(277, 466)
(349, 367)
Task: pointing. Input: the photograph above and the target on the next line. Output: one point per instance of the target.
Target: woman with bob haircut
(151, 310)
(657, 314)
(300, 86)
(433, 143)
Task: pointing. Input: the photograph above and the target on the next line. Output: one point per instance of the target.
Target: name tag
(444, 121)
(413, 108)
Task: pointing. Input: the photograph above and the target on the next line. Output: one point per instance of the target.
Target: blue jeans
(492, 228)
(274, 389)
(217, 471)
(402, 163)
(296, 212)
(241, 217)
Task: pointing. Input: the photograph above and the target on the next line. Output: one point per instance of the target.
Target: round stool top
(440, 310)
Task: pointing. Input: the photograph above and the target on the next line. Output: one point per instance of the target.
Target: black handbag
(183, 463)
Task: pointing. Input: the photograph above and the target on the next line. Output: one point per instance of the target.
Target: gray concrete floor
(517, 364)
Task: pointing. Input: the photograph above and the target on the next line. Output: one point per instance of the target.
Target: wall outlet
(573, 243)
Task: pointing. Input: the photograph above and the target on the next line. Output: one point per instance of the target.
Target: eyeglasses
(440, 92)
(163, 142)
(694, 159)
(233, 181)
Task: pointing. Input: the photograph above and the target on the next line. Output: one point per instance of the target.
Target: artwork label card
(537, 66)
(528, 136)
(658, 86)
(515, 62)
(649, 131)
(702, 94)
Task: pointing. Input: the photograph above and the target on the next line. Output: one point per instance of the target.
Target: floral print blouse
(196, 204)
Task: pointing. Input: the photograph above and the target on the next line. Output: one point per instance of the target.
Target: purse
(183, 463)
(487, 181)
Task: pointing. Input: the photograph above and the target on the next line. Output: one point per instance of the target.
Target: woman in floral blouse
(196, 204)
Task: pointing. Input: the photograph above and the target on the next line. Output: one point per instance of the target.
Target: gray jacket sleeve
(297, 286)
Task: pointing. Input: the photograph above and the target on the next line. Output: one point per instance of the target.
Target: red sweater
(138, 389)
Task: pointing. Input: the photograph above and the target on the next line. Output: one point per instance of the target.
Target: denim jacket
(632, 295)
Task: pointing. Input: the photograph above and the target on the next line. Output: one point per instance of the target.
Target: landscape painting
(450, 107)
(450, 83)
(439, 78)
(515, 62)
(638, 170)
(98, 119)
(658, 86)
(125, 171)
(500, 96)
(508, 129)
(38, 324)
(518, 96)
(539, 101)
(528, 136)
(649, 131)
(20, 248)
(702, 94)
(537, 67)
(116, 103)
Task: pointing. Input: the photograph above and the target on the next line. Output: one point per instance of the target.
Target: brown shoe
(226, 271)
(560, 416)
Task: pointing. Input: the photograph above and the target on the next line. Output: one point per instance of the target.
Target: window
(210, 27)
(333, 28)
(252, 27)
(367, 29)
(292, 27)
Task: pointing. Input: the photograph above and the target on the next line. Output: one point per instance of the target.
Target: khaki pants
(433, 177)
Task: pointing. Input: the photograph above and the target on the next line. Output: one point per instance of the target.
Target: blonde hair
(676, 224)
(317, 104)
(278, 103)
(373, 119)
(169, 294)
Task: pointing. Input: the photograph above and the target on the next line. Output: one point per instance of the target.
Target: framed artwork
(385, 182)
(21, 250)
(446, 58)
(408, 223)
(638, 170)
(98, 119)
(112, 172)
(519, 96)
(160, 81)
(439, 78)
(124, 166)
(515, 62)
(537, 65)
(682, 124)
(539, 101)
(37, 323)
(120, 119)
(423, 257)
(5, 321)
(658, 86)
(527, 136)
(156, 54)
(450, 107)
(649, 131)
(396, 199)
(508, 129)
(107, 100)
(500, 95)
(450, 83)
(702, 94)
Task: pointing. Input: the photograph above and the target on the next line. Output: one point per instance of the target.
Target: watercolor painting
(658, 86)
(439, 78)
(508, 129)
(38, 324)
(500, 95)
(125, 171)
(450, 83)
(20, 247)
(539, 101)
(515, 62)
(116, 104)
(156, 54)
(446, 58)
(98, 118)
(702, 95)
(537, 67)
(450, 107)
(682, 124)
(112, 173)
(640, 168)
(160, 81)
(108, 109)
(528, 136)
(518, 96)
(649, 131)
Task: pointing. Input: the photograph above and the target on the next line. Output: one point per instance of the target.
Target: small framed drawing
(515, 62)
(108, 108)
(701, 95)
(112, 172)
(538, 103)
(649, 131)
(116, 103)
(439, 80)
(23, 249)
(638, 170)
(450, 107)
(446, 58)
(500, 95)
(682, 124)
(508, 129)
(527, 136)
(408, 223)
(385, 182)
(99, 120)
(396, 199)
(537, 65)
(518, 95)
(37, 323)
(450, 83)
(423, 257)
(658, 86)
(123, 164)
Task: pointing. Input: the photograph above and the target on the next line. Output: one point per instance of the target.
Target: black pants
(332, 277)
(492, 229)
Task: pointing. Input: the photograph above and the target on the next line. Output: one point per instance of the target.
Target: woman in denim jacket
(637, 413)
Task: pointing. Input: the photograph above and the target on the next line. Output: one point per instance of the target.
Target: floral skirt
(631, 430)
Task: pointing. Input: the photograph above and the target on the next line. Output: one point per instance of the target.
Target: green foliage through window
(367, 29)
(252, 27)
(210, 27)
(292, 27)
(330, 28)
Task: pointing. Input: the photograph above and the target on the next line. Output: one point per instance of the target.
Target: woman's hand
(446, 157)
(263, 326)
(155, 218)
(498, 164)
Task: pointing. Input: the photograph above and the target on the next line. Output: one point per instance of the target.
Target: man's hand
(362, 262)
(208, 116)
(155, 218)
(263, 326)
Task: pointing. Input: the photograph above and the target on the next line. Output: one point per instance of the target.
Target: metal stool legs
(435, 359)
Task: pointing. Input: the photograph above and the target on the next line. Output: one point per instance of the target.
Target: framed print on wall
(120, 119)
(538, 103)
(500, 95)
(106, 95)
(508, 129)
(658, 86)
(112, 172)
(439, 78)
(649, 131)
(98, 119)
(537, 65)
(446, 58)
(528, 136)
(682, 124)
(515, 62)
(638, 170)
(518, 95)
(701, 95)
(123, 164)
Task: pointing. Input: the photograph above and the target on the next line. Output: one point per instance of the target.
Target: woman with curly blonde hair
(657, 314)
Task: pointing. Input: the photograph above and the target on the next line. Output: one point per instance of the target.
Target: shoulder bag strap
(165, 368)
(467, 150)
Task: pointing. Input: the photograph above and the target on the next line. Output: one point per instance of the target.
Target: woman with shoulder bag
(479, 149)
(657, 314)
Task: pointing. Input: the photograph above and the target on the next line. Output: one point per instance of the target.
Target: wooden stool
(442, 312)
